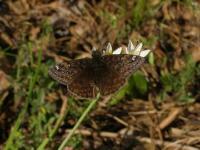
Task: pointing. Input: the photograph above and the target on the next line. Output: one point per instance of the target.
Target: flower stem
(91, 105)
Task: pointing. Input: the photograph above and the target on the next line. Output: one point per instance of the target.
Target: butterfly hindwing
(83, 85)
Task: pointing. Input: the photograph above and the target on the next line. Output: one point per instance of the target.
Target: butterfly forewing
(117, 69)
(65, 72)
(78, 77)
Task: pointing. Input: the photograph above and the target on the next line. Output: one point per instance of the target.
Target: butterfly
(105, 73)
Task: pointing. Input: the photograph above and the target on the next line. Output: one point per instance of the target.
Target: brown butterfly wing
(84, 76)
(83, 85)
(75, 75)
(117, 69)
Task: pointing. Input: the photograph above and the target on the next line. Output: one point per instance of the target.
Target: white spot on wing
(133, 58)
(57, 67)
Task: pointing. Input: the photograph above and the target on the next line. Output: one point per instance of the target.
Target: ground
(159, 107)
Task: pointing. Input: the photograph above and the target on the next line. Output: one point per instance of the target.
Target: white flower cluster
(131, 50)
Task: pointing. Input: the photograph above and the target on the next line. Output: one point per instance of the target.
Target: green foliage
(151, 59)
(119, 95)
(141, 11)
(149, 41)
(109, 18)
(30, 87)
(74, 105)
(46, 28)
(177, 84)
(167, 81)
(75, 142)
(138, 12)
(138, 85)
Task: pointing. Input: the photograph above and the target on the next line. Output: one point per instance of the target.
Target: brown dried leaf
(195, 53)
(4, 83)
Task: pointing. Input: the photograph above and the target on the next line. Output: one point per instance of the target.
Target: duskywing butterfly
(105, 72)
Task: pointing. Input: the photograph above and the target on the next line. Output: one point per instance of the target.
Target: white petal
(130, 46)
(109, 49)
(144, 53)
(125, 50)
(137, 49)
(118, 51)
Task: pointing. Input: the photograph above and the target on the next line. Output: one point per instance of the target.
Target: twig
(118, 120)
(143, 112)
(154, 126)
(114, 135)
(89, 133)
(170, 118)
(159, 142)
